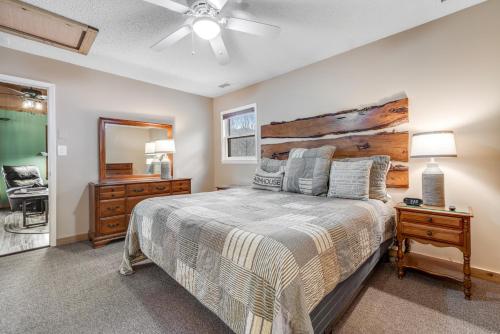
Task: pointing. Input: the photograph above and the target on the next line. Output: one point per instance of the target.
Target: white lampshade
(165, 146)
(150, 148)
(433, 144)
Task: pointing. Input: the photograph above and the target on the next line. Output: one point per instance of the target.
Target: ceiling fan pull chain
(193, 51)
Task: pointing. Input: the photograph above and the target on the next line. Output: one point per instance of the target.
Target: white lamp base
(165, 169)
(433, 185)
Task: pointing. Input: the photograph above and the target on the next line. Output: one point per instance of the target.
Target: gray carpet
(76, 289)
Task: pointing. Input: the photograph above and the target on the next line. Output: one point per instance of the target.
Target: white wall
(449, 69)
(84, 95)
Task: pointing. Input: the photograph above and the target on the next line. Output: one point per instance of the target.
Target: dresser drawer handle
(138, 190)
(160, 188)
(114, 208)
(429, 233)
(112, 225)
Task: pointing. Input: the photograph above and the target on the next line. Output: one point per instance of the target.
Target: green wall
(22, 138)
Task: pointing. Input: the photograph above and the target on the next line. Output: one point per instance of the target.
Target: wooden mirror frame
(102, 147)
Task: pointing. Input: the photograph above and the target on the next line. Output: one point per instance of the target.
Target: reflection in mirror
(130, 150)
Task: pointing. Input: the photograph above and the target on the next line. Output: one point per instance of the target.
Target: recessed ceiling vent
(224, 85)
(27, 21)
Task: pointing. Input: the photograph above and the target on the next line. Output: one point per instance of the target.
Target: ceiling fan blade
(219, 4)
(172, 38)
(252, 27)
(14, 90)
(172, 5)
(219, 49)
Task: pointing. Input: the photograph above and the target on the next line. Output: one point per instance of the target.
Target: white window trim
(238, 160)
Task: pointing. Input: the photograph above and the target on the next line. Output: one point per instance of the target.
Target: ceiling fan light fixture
(206, 28)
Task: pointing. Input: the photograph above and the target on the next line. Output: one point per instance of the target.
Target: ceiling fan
(32, 98)
(206, 21)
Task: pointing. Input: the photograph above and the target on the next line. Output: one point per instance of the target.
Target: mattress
(261, 261)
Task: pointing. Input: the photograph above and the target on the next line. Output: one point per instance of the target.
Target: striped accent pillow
(350, 179)
(378, 175)
(268, 181)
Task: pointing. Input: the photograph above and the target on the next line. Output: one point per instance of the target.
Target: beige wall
(82, 96)
(449, 69)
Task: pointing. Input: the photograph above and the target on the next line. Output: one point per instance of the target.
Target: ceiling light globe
(206, 28)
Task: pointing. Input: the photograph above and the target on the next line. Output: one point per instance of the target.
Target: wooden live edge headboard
(374, 130)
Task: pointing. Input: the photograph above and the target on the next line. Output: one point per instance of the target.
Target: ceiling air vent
(27, 21)
(224, 85)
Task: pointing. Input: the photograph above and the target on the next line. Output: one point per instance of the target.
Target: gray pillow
(307, 170)
(378, 175)
(268, 181)
(350, 179)
(272, 165)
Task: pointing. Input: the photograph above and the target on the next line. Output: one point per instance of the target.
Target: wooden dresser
(439, 227)
(112, 202)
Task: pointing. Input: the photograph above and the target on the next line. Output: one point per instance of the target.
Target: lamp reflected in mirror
(165, 147)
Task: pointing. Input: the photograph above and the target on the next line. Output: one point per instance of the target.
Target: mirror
(131, 149)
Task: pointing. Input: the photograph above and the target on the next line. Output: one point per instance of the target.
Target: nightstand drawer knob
(429, 233)
(429, 219)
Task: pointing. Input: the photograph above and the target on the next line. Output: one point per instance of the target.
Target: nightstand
(439, 227)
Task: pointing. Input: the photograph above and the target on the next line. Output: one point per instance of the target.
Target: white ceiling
(312, 30)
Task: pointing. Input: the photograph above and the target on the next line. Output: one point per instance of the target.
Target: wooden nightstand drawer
(138, 189)
(112, 225)
(433, 233)
(413, 217)
(112, 207)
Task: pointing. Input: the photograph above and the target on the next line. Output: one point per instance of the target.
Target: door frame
(51, 145)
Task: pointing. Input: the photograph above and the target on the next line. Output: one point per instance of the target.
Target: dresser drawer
(112, 225)
(433, 233)
(159, 188)
(138, 189)
(110, 192)
(183, 187)
(133, 201)
(413, 217)
(112, 207)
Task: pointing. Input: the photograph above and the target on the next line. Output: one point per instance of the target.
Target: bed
(262, 261)
(280, 262)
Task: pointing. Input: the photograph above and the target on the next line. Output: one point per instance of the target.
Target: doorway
(27, 165)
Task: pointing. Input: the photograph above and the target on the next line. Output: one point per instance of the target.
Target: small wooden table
(439, 227)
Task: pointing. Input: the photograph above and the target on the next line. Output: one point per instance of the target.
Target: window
(239, 138)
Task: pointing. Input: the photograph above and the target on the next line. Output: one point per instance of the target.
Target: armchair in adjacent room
(19, 177)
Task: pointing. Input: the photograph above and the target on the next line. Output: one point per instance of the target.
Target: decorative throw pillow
(272, 165)
(350, 179)
(307, 170)
(268, 181)
(378, 175)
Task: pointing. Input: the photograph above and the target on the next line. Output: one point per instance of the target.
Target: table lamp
(149, 152)
(432, 145)
(165, 147)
